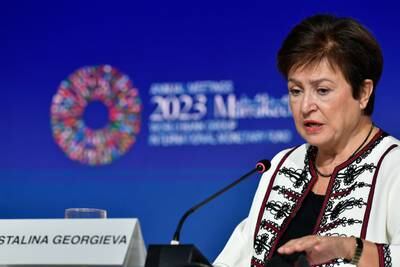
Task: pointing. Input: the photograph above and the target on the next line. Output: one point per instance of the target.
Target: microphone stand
(176, 255)
(176, 237)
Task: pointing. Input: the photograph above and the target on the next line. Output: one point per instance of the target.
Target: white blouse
(361, 200)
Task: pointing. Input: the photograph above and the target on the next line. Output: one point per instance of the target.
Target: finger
(306, 243)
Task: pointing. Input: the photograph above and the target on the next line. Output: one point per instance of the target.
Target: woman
(333, 199)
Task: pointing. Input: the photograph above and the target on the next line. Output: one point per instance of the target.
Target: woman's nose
(308, 104)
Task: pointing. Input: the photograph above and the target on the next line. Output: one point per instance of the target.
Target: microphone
(176, 255)
(261, 167)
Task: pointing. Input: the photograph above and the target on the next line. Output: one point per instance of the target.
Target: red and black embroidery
(351, 173)
(385, 257)
(354, 179)
(260, 244)
(269, 225)
(331, 263)
(368, 149)
(342, 221)
(297, 176)
(343, 192)
(344, 205)
(287, 192)
(343, 210)
(257, 263)
(279, 209)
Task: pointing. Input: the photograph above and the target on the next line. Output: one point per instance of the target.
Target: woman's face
(325, 113)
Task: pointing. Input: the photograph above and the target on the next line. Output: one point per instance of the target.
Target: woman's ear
(366, 92)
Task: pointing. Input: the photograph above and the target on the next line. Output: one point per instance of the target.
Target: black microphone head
(263, 165)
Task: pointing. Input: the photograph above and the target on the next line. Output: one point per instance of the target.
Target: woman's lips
(312, 127)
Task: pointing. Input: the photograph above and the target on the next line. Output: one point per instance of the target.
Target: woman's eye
(294, 91)
(323, 91)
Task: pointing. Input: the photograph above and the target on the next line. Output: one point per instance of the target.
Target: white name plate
(72, 242)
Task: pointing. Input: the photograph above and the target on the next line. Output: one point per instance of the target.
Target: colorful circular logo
(82, 143)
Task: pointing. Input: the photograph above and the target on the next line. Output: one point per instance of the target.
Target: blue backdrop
(212, 104)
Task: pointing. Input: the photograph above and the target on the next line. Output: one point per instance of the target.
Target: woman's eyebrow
(318, 81)
(312, 82)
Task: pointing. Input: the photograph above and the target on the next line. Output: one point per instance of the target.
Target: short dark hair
(344, 42)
